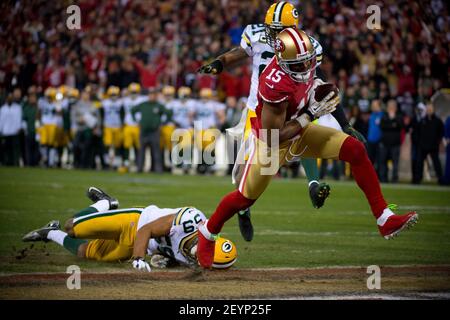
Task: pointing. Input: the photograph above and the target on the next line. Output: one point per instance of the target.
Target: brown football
(323, 90)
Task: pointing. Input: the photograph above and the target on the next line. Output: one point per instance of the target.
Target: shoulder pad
(254, 33)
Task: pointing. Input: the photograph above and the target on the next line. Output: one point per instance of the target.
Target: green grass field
(288, 231)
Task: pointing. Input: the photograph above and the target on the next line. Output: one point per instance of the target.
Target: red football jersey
(276, 86)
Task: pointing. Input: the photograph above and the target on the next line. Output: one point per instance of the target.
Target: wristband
(303, 120)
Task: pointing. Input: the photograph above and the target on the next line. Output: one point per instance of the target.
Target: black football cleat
(245, 224)
(318, 193)
(42, 233)
(96, 194)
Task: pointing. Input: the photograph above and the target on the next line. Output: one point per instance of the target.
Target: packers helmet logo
(279, 45)
(225, 254)
(295, 13)
(227, 246)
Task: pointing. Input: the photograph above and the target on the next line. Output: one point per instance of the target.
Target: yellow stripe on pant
(113, 233)
(248, 125)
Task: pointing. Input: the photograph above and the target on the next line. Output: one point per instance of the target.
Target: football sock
(242, 212)
(230, 204)
(126, 154)
(73, 244)
(61, 238)
(52, 155)
(85, 211)
(102, 205)
(311, 170)
(354, 152)
(57, 236)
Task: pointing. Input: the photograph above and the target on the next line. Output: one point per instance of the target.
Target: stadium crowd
(131, 49)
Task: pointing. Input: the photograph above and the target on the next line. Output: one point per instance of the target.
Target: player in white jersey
(168, 235)
(183, 111)
(208, 115)
(167, 99)
(183, 107)
(131, 127)
(112, 108)
(257, 42)
(62, 106)
(50, 118)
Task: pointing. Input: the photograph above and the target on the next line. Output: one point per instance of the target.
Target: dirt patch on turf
(230, 284)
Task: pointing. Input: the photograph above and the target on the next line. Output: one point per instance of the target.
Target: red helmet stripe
(294, 39)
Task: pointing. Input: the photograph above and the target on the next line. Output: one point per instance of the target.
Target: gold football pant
(112, 232)
(205, 139)
(314, 142)
(131, 136)
(112, 137)
(165, 140)
(49, 135)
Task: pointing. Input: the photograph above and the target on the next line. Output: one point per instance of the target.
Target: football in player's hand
(323, 90)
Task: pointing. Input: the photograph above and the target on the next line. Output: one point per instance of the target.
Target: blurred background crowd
(392, 80)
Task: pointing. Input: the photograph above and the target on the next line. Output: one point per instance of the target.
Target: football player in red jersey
(282, 132)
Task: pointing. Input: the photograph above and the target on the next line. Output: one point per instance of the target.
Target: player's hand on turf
(141, 264)
(214, 67)
(355, 134)
(326, 106)
(159, 261)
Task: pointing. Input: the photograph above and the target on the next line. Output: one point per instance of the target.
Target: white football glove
(141, 264)
(326, 106)
(159, 261)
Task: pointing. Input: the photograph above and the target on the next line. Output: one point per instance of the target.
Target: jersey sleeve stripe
(246, 39)
(179, 215)
(186, 239)
(272, 101)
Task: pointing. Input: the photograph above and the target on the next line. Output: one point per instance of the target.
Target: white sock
(311, 182)
(102, 205)
(384, 216)
(57, 236)
(203, 228)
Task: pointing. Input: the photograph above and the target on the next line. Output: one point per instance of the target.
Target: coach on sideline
(10, 126)
(150, 113)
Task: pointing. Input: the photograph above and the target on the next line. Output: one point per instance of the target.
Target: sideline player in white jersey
(167, 99)
(183, 112)
(257, 42)
(208, 114)
(131, 127)
(168, 235)
(49, 118)
(112, 125)
(183, 107)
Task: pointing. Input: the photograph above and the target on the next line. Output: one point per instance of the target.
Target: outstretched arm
(228, 60)
(158, 228)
